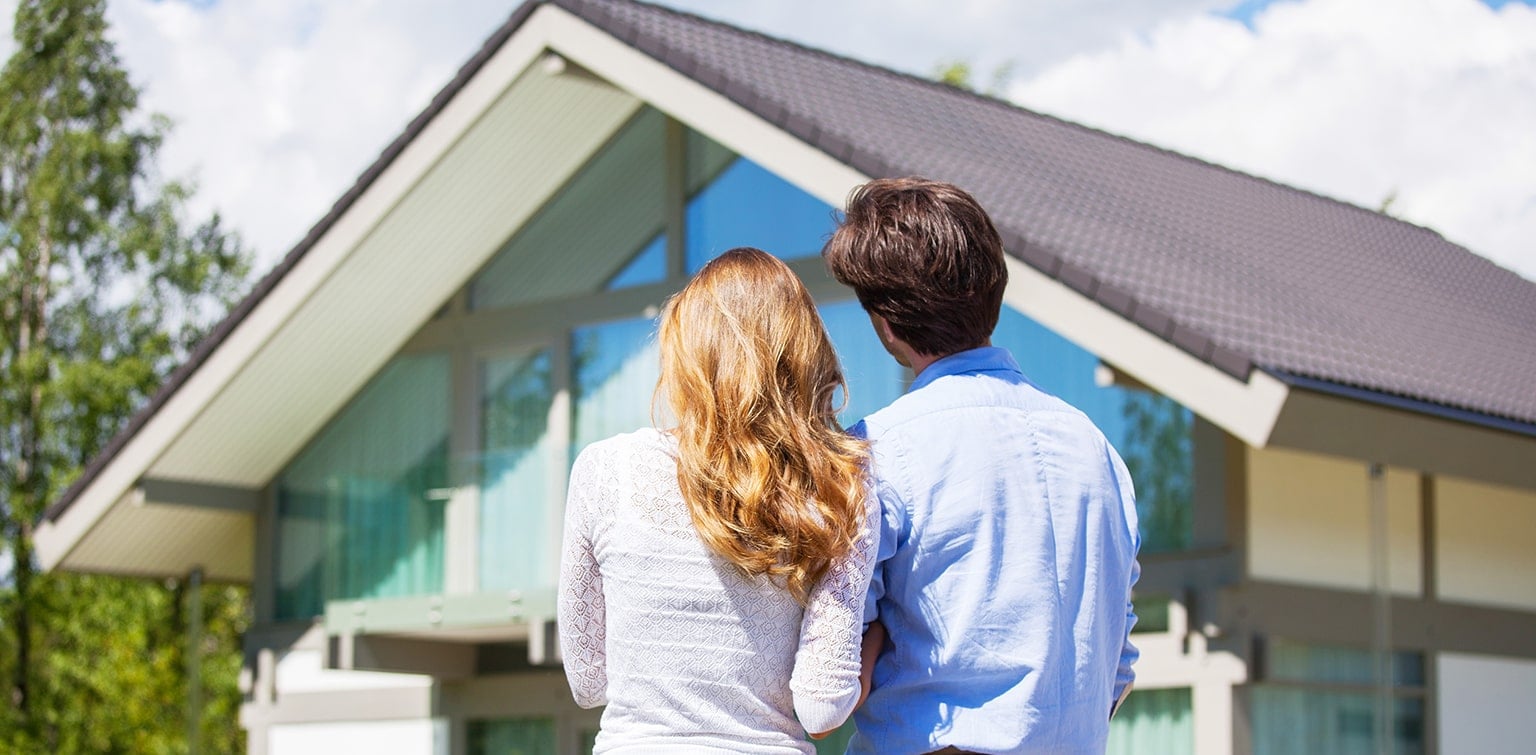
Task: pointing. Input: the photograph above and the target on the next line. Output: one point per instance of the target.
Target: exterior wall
(419, 737)
(1309, 522)
(1486, 544)
(296, 705)
(1485, 703)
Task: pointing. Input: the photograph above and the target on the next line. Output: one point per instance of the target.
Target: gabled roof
(1237, 271)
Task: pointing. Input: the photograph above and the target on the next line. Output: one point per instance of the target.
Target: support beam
(201, 495)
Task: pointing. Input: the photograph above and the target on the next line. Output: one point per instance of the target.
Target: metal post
(1381, 616)
(194, 661)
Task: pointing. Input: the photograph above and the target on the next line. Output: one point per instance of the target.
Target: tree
(104, 287)
(958, 74)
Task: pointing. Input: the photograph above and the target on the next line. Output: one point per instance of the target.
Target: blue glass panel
(515, 526)
(648, 266)
(360, 510)
(1151, 432)
(1153, 720)
(745, 205)
(874, 378)
(615, 366)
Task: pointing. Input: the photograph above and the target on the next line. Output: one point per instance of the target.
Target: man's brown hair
(924, 256)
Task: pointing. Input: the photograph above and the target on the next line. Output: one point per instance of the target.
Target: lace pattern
(679, 643)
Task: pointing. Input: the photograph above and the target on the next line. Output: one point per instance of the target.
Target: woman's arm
(582, 609)
(826, 681)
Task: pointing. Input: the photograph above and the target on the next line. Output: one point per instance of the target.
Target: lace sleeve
(582, 608)
(825, 681)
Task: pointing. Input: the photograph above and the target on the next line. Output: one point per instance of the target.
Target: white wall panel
(416, 737)
(1486, 543)
(1485, 704)
(1309, 521)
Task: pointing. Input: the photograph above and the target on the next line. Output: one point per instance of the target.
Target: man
(1009, 537)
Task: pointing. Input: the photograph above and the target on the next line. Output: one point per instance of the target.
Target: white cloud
(280, 105)
(1434, 100)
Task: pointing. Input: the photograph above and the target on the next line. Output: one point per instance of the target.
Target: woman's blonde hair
(773, 483)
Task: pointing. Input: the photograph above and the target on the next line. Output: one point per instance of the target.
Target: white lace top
(688, 653)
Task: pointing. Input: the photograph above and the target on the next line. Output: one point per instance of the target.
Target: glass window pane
(739, 203)
(648, 266)
(1299, 721)
(511, 736)
(1153, 720)
(613, 208)
(1151, 613)
(614, 366)
(360, 511)
(514, 498)
(874, 378)
(1151, 432)
(1288, 660)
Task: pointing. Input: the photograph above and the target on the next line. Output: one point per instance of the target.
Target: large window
(360, 511)
(1152, 433)
(736, 202)
(515, 511)
(1325, 700)
(614, 370)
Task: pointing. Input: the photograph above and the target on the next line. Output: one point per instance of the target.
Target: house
(1330, 413)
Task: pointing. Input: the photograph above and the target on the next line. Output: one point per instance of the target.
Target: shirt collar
(984, 359)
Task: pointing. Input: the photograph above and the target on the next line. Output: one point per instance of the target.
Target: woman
(713, 575)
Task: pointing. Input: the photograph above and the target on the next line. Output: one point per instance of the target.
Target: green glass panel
(1302, 721)
(1151, 613)
(360, 510)
(1288, 660)
(512, 736)
(615, 366)
(515, 541)
(1153, 721)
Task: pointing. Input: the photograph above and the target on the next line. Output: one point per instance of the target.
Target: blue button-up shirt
(1007, 557)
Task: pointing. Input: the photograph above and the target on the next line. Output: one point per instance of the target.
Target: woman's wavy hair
(773, 483)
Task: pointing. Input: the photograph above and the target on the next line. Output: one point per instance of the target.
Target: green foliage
(1157, 454)
(104, 287)
(958, 74)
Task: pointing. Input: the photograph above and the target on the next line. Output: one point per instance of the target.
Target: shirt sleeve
(581, 607)
(888, 529)
(1124, 674)
(825, 680)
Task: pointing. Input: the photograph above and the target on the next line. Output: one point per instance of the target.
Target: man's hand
(874, 642)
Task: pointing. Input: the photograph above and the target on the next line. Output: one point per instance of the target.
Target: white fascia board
(1247, 410)
(702, 109)
(55, 539)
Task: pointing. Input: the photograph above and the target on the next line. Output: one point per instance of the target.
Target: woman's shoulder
(645, 441)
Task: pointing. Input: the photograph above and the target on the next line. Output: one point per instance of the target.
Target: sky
(279, 105)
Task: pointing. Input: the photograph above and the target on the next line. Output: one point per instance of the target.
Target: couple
(957, 566)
